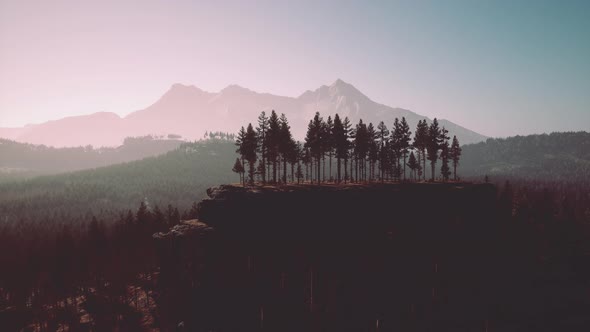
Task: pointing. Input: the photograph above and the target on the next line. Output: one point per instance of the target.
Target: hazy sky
(497, 67)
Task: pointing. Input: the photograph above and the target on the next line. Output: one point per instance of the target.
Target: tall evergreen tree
(455, 155)
(373, 153)
(143, 215)
(347, 145)
(361, 147)
(313, 141)
(404, 141)
(240, 144)
(299, 173)
(444, 156)
(383, 136)
(251, 144)
(261, 131)
(306, 160)
(329, 143)
(293, 156)
(285, 143)
(413, 165)
(340, 141)
(433, 145)
(396, 148)
(420, 144)
(238, 168)
(272, 144)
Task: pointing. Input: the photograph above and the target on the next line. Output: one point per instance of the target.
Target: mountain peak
(339, 82)
(339, 87)
(180, 86)
(178, 90)
(234, 89)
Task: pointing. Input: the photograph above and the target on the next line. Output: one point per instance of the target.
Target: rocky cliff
(353, 257)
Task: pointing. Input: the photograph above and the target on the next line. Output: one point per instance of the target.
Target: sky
(500, 68)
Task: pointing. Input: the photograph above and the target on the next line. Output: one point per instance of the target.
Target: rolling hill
(556, 157)
(22, 160)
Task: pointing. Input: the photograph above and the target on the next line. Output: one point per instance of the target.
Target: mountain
(190, 112)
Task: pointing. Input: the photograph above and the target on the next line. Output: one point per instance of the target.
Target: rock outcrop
(333, 258)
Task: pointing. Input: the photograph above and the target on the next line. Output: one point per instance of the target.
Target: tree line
(56, 271)
(361, 152)
(560, 156)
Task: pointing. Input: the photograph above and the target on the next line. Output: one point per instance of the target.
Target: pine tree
(306, 159)
(404, 141)
(238, 168)
(420, 143)
(285, 143)
(413, 164)
(240, 144)
(361, 147)
(299, 173)
(373, 153)
(272, 143)
(250, 145)
(143, 214)
(455, 155)
(293, 156)
(339, 142)
(313, 141)
(329, 143)
(324, 137)
(383, 136)
(433, 145)
(396, 148)
(444, 156)
(262, 130)
(347, 145)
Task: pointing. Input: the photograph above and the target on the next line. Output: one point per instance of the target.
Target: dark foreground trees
(81, 273)
(360, 150)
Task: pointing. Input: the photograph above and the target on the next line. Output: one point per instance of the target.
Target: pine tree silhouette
(433, 145)
(238, 168)
(455, 155)
(262, 130)
(383, 136)
(404, 141)
(250, 146)
(272, 145)
(413, 165)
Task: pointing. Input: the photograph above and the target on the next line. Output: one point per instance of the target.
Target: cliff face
(334, 258)
(332, 213)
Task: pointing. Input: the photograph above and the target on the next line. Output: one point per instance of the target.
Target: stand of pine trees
(362, 153)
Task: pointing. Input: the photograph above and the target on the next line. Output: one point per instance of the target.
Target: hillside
(190, 111)
(177, 178)
(22, 160)
(551, 157)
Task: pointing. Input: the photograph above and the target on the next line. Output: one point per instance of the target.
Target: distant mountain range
(189, 111)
